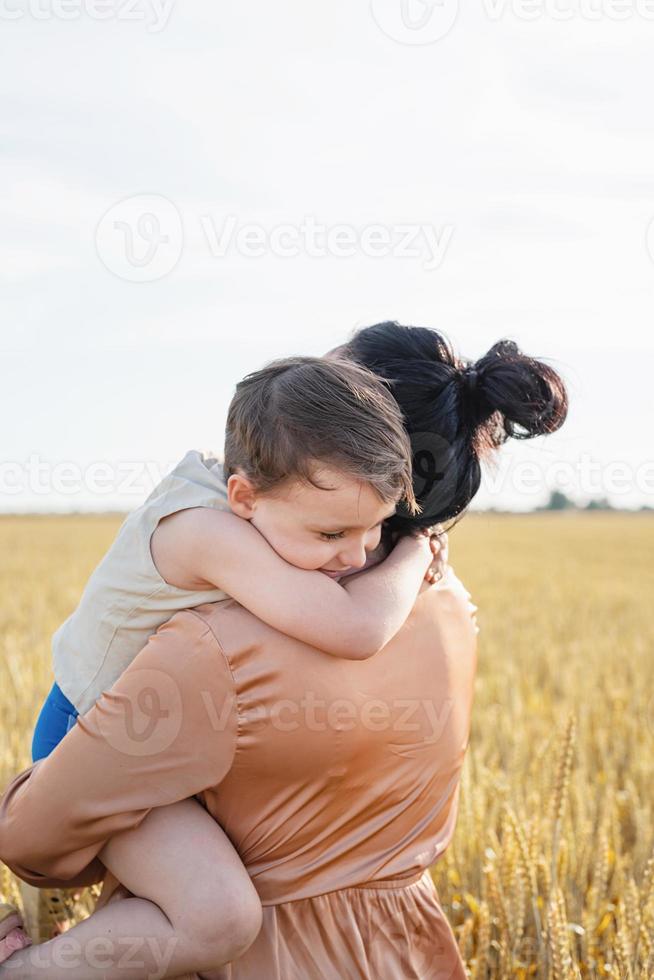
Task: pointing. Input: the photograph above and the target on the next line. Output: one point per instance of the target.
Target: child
(316, 459)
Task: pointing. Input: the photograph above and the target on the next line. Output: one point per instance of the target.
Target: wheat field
(551, 870)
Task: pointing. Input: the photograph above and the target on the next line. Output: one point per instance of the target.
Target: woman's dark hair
(457, 412)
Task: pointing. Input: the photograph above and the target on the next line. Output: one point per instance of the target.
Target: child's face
(329, 530)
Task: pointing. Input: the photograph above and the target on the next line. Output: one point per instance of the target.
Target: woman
(338, 848)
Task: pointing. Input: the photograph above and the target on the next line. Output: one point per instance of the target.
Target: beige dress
(336, 780)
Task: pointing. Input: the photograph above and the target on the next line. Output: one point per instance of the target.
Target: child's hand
(439, 547)
(433, 544)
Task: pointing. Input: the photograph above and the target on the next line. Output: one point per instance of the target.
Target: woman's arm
(208, 548)
(135, 749)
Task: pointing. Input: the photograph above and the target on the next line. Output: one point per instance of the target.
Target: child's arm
(201, 548)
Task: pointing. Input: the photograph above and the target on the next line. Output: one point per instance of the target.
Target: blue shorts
(57, 717)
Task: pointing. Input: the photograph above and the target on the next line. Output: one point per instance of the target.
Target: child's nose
(355, 556)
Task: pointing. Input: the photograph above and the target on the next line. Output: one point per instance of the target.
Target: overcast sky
(189, 190)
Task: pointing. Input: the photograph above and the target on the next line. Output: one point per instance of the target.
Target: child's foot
(12, 935)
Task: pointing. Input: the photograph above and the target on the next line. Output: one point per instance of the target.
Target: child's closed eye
(335, 535)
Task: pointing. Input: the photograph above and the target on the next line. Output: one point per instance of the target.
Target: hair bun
(470, 376)
(528, 395)
(458, 412)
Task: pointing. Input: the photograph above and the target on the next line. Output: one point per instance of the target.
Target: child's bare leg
(194, 909)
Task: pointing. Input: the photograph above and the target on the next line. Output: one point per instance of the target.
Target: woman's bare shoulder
(452, 587)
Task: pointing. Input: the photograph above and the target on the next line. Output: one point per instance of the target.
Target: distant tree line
(560, 501)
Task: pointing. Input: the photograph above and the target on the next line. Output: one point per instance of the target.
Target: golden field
(550, 873)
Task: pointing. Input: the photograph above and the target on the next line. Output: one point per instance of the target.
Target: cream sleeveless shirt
(126, 599)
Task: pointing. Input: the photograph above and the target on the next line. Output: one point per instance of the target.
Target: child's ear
(241, 495)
